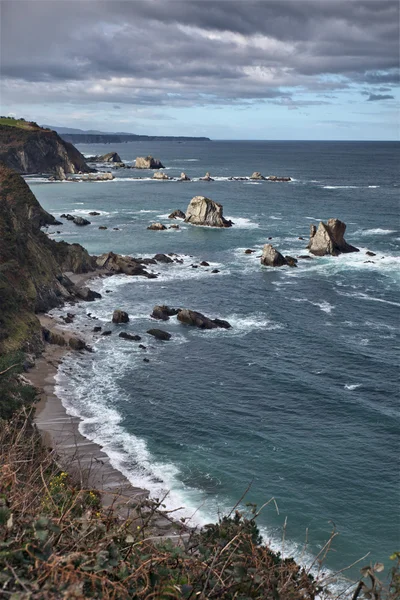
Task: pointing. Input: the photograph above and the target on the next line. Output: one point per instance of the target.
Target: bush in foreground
(58, 541)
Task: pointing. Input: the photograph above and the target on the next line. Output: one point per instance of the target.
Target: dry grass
(58, 541)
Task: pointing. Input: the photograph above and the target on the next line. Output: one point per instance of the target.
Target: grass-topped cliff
(31, 264)
(28, 148)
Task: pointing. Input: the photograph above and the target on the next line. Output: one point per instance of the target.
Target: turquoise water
(298, 399)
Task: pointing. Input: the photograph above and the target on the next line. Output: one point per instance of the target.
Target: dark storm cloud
(376, 97)
(194, 52)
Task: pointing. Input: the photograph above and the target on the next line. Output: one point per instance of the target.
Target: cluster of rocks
(161, 227)
(110, 157)
(77, 220)
(327, 239)
(257, 176)
(91, 177)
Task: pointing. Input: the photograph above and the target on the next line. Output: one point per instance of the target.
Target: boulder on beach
(148, 162)
(329, 239)
(85, 293)
(196, 319)
(184, 177)
(120, 316)
(271, 257)
(163, 312)
(177, 214)
(257, 175)
(160, 175)
(203, 211)
(156, 227)
(207, 177)
(160, 334)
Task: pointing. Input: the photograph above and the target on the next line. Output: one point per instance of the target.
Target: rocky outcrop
(196, 319)
(257, 175)
(271, 257)
(184, 177)
(31, 149)
(161, 176)
(120, 316)
(129, 336)
(163, 312)
(148, 162)
(207, 177)
(92, 177)
(156, 227)
(110, 157)
(329, 239)
(85, 293)
(203, 211)
(177, 214)
(81, 221)
(115, 263)
(162, 258)
(275, 178)
(160, 334)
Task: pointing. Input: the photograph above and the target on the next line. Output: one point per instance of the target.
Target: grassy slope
(19, 123)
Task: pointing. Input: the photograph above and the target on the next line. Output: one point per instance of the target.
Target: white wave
(340, 187)
(363, 296)
(352, 386)
(186, 159)
(276, 218)
(325, 306)
(252, 182)
(243, 223)
(376, 231)
(374, 186)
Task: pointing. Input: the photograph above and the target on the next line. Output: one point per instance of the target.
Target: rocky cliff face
(31, 264)
(38, 150)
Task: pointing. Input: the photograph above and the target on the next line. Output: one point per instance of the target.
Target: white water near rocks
(298, 398)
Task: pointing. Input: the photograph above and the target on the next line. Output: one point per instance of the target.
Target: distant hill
(28, 148)
(92, 136)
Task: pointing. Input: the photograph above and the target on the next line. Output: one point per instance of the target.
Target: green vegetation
(20, 123)
(58, 541)
(14, 393)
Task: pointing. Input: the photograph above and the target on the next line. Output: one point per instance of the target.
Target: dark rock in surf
(164, 312)
(160, 334)
(120, 316)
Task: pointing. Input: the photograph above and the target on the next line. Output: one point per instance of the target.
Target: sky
(285, 69)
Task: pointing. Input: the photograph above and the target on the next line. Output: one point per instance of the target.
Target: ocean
(297, 401)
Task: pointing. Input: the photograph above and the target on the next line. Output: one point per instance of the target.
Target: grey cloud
(376, 97)
(192, 53)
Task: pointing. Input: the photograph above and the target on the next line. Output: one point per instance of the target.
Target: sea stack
(203, 211)
(148, 162)
(329, 239)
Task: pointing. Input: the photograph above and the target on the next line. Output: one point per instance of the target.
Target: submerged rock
(177, 214)
(329, 239)
(196, 319)
(275, 178)
(203, 211)
(160, 334)
(129, 336)
(156, 227)
(148, 162)
(120, 316)
(163, 312)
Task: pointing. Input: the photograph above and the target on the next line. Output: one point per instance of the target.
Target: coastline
(82, 458)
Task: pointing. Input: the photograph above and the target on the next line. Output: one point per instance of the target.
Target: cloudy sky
(285, 69)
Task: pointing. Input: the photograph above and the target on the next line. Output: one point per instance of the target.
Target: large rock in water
(257, 175)
(120, 316)
(196, 319)
(329, 239)
(271, 257)
(163, 312)
(115, 263)
(148, 162)
(203, 211)
(160, 334)
(161, 175)
(177, 214)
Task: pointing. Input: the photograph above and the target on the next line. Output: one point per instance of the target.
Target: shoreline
(83, 459)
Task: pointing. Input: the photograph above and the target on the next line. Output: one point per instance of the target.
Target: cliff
(27, 148)
(31, 265)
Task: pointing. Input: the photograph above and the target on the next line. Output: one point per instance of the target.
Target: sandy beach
(82, 458)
